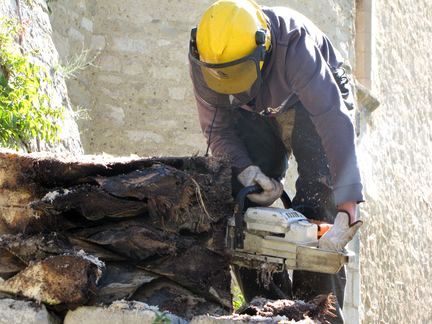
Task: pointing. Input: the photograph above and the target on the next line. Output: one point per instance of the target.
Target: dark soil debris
(320, 308)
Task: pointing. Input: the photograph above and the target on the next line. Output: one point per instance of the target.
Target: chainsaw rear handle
(239, 210)
(256, 188)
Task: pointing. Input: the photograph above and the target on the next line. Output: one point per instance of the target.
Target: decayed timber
(189, 193)
(156, 223)
(134, 240)
(121, 281)
(66, 279)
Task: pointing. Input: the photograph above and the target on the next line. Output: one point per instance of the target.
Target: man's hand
(342, 231)
(272, 189)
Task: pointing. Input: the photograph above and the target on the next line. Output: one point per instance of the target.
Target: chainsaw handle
(238, 213)
(256, 188)
(242, 194)
(286, 200)
(240, 206)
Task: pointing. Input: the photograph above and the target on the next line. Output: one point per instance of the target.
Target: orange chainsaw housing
(323, 227)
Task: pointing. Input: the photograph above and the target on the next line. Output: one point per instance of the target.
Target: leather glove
(340, 233)
(272, 189)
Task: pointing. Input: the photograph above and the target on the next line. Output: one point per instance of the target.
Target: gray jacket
(299, 69)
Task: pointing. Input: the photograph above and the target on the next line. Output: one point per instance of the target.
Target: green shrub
(238, 299)
(25, 108)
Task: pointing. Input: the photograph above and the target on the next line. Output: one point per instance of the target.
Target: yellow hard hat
(226, 31)
(227, 52)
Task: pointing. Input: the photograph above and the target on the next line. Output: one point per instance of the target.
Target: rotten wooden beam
(158, 225)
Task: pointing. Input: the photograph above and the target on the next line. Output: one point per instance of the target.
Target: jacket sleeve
(312, 81)
(221, 135)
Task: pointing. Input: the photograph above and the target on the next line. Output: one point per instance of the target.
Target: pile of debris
(100, 230)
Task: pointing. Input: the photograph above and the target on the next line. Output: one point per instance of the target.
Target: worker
(269, 83)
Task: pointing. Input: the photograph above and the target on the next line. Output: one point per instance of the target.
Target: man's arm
(221, 136)
(312, 81)
(218, 127)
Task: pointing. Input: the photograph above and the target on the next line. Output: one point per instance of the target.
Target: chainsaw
(281, 238)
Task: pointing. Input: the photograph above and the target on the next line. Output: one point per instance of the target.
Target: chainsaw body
(280, 238)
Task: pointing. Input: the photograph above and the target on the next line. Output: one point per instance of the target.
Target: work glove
(338, 236)
(272, 189)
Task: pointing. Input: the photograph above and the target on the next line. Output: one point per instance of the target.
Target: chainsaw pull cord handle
(240, 206)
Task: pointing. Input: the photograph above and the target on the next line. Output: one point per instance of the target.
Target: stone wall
(396, 156)
(37, 42)
(138, 91)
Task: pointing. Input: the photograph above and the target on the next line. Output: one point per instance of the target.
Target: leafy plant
(25, 108)
(78, 63)
(238, 299)
(161, 318)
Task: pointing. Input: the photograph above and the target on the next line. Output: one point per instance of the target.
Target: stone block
(114, 114)
(98, 42)
(356, 289)
(163, 42)
(79, 93)
(133, 68)
(144, 136)
(108, 78)
(121, 312)
(206, 319)
(87, 24)
(75, 34)
(63, 45)
(348, 290)
(177, 93)
(166, 73)
(19, 311)
(109, 63)
(125, 44)
(244, 319)
(351, 315)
